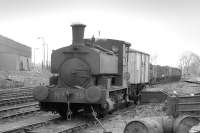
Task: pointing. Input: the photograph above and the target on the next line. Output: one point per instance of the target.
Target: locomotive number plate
(79, 95)
(58, 96)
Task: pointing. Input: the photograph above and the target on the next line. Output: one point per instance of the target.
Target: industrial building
(13, 55)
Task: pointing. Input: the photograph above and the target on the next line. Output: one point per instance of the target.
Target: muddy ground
(118, 120)
(117, 123)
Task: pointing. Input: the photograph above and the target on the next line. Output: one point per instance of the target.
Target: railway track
(51, 125)
(18, 114)
(18, 110)
(19, 102)
(9, 108)
(24, 126)
(15, 96)
(54, 125)
(74, 125)
(48, 125)
(4, 91)
(17, 92)
(16, 100)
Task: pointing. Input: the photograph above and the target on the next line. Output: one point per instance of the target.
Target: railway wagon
(163, 74)
(176, 74)
(138, 67)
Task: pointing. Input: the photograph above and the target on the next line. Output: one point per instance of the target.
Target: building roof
(10, 46)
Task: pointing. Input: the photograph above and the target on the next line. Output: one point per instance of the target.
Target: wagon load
(177, 105)
(163, 74)
(153, 95)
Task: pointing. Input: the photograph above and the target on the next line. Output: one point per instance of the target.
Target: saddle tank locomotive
(89, 74)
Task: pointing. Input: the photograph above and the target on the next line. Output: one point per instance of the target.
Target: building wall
(24, 63)
(8, 61)
(13, 55)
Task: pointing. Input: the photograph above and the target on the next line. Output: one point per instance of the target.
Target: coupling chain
(95, 117)
(69, 112)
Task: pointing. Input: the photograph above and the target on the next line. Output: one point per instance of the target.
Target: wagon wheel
(62, 113)
(138, 99)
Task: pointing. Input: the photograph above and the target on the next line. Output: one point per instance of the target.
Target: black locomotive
(93, 74)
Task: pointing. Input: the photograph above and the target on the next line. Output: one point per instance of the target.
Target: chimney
(78, 35)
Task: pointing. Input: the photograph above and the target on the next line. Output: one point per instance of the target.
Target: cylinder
(184, 123)
(78, 35)
(144, 125)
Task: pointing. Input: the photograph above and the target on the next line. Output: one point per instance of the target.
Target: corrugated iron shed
(10, 46)
(14, 55)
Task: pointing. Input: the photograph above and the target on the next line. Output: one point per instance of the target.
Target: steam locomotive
(93, 75)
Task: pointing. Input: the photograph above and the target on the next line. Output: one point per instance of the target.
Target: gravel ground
(117, 122)
(26, 121)
(180, 88)
(24, 117)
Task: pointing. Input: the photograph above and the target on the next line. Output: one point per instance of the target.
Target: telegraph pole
(34, 55)
(43, 44)
(47, 62)
(99, 33)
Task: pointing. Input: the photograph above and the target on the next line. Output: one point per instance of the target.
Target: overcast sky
(165, 28)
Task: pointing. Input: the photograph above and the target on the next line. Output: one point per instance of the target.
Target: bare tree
(189, 63)
(153, 59)
(195, 65)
